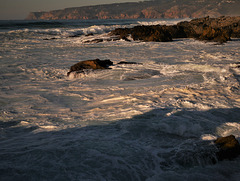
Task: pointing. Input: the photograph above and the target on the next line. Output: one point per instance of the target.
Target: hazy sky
(19, 9)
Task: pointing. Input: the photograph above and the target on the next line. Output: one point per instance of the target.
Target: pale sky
(19, 9)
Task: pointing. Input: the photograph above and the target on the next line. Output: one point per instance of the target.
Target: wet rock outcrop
(145, 33)
(90, 64)
(207, 29)
(228, 147)
(214, 29)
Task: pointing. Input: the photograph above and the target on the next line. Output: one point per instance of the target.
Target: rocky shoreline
(220, 30)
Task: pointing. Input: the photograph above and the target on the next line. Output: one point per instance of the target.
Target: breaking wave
(153, 120)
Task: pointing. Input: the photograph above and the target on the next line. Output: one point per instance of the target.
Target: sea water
(155, 120)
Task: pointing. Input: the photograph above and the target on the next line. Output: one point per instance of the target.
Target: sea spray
(156, 120)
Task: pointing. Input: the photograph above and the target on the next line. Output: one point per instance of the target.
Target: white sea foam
(163, 22)
(129, 122)
(208, 137)
(229, 128)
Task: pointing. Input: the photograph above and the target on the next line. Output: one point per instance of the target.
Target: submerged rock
(140, 74)
(228, 147)
(99, 40)
(53, 38)
(204, 153)
(90, 64)
(128, 63)
(89, 34)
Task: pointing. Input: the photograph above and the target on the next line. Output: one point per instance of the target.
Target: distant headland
(145, 9)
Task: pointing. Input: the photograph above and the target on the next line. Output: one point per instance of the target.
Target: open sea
(152, 121)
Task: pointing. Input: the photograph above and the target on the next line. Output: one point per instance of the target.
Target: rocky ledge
(220, 30)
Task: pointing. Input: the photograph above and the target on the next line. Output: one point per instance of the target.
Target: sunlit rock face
(228, 146)
(145, 9)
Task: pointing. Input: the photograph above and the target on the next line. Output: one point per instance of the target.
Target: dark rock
(154, 33)
(144, 33)
(125, 38)
(123, 62)
(213, 29)
(237, 65)
(151, 33)
(140, 74)
(90, 64)
(228, 147)
(214, 34)
(74, 36)
(50, 38)
(98, 40)
(121, 33)
(207, 29)
(177, 31)
(89, 34)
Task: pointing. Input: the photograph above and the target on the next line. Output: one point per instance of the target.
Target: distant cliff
(146, 9)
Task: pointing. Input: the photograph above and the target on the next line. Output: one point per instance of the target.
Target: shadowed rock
(99, 40)
(89, 34)
(228, 147)
(90, 64)
(214, 34)
(129, 63)
(145, 33)
(151, 33)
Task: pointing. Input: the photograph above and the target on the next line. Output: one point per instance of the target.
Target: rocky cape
(220, 30)
(145, 9)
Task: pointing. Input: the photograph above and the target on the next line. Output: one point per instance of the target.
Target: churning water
(149, 121)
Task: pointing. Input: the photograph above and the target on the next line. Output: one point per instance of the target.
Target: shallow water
(151, 121)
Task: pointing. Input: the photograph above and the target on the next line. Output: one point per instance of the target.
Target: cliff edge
(145, 9)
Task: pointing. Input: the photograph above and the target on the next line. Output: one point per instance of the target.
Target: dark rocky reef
(145, 33)
(209, 29)
(212, 29)
(228, 147)
(90, 64)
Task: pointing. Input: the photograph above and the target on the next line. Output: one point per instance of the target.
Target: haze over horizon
(18, 10)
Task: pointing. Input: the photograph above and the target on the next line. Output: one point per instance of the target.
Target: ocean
(151, 121)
